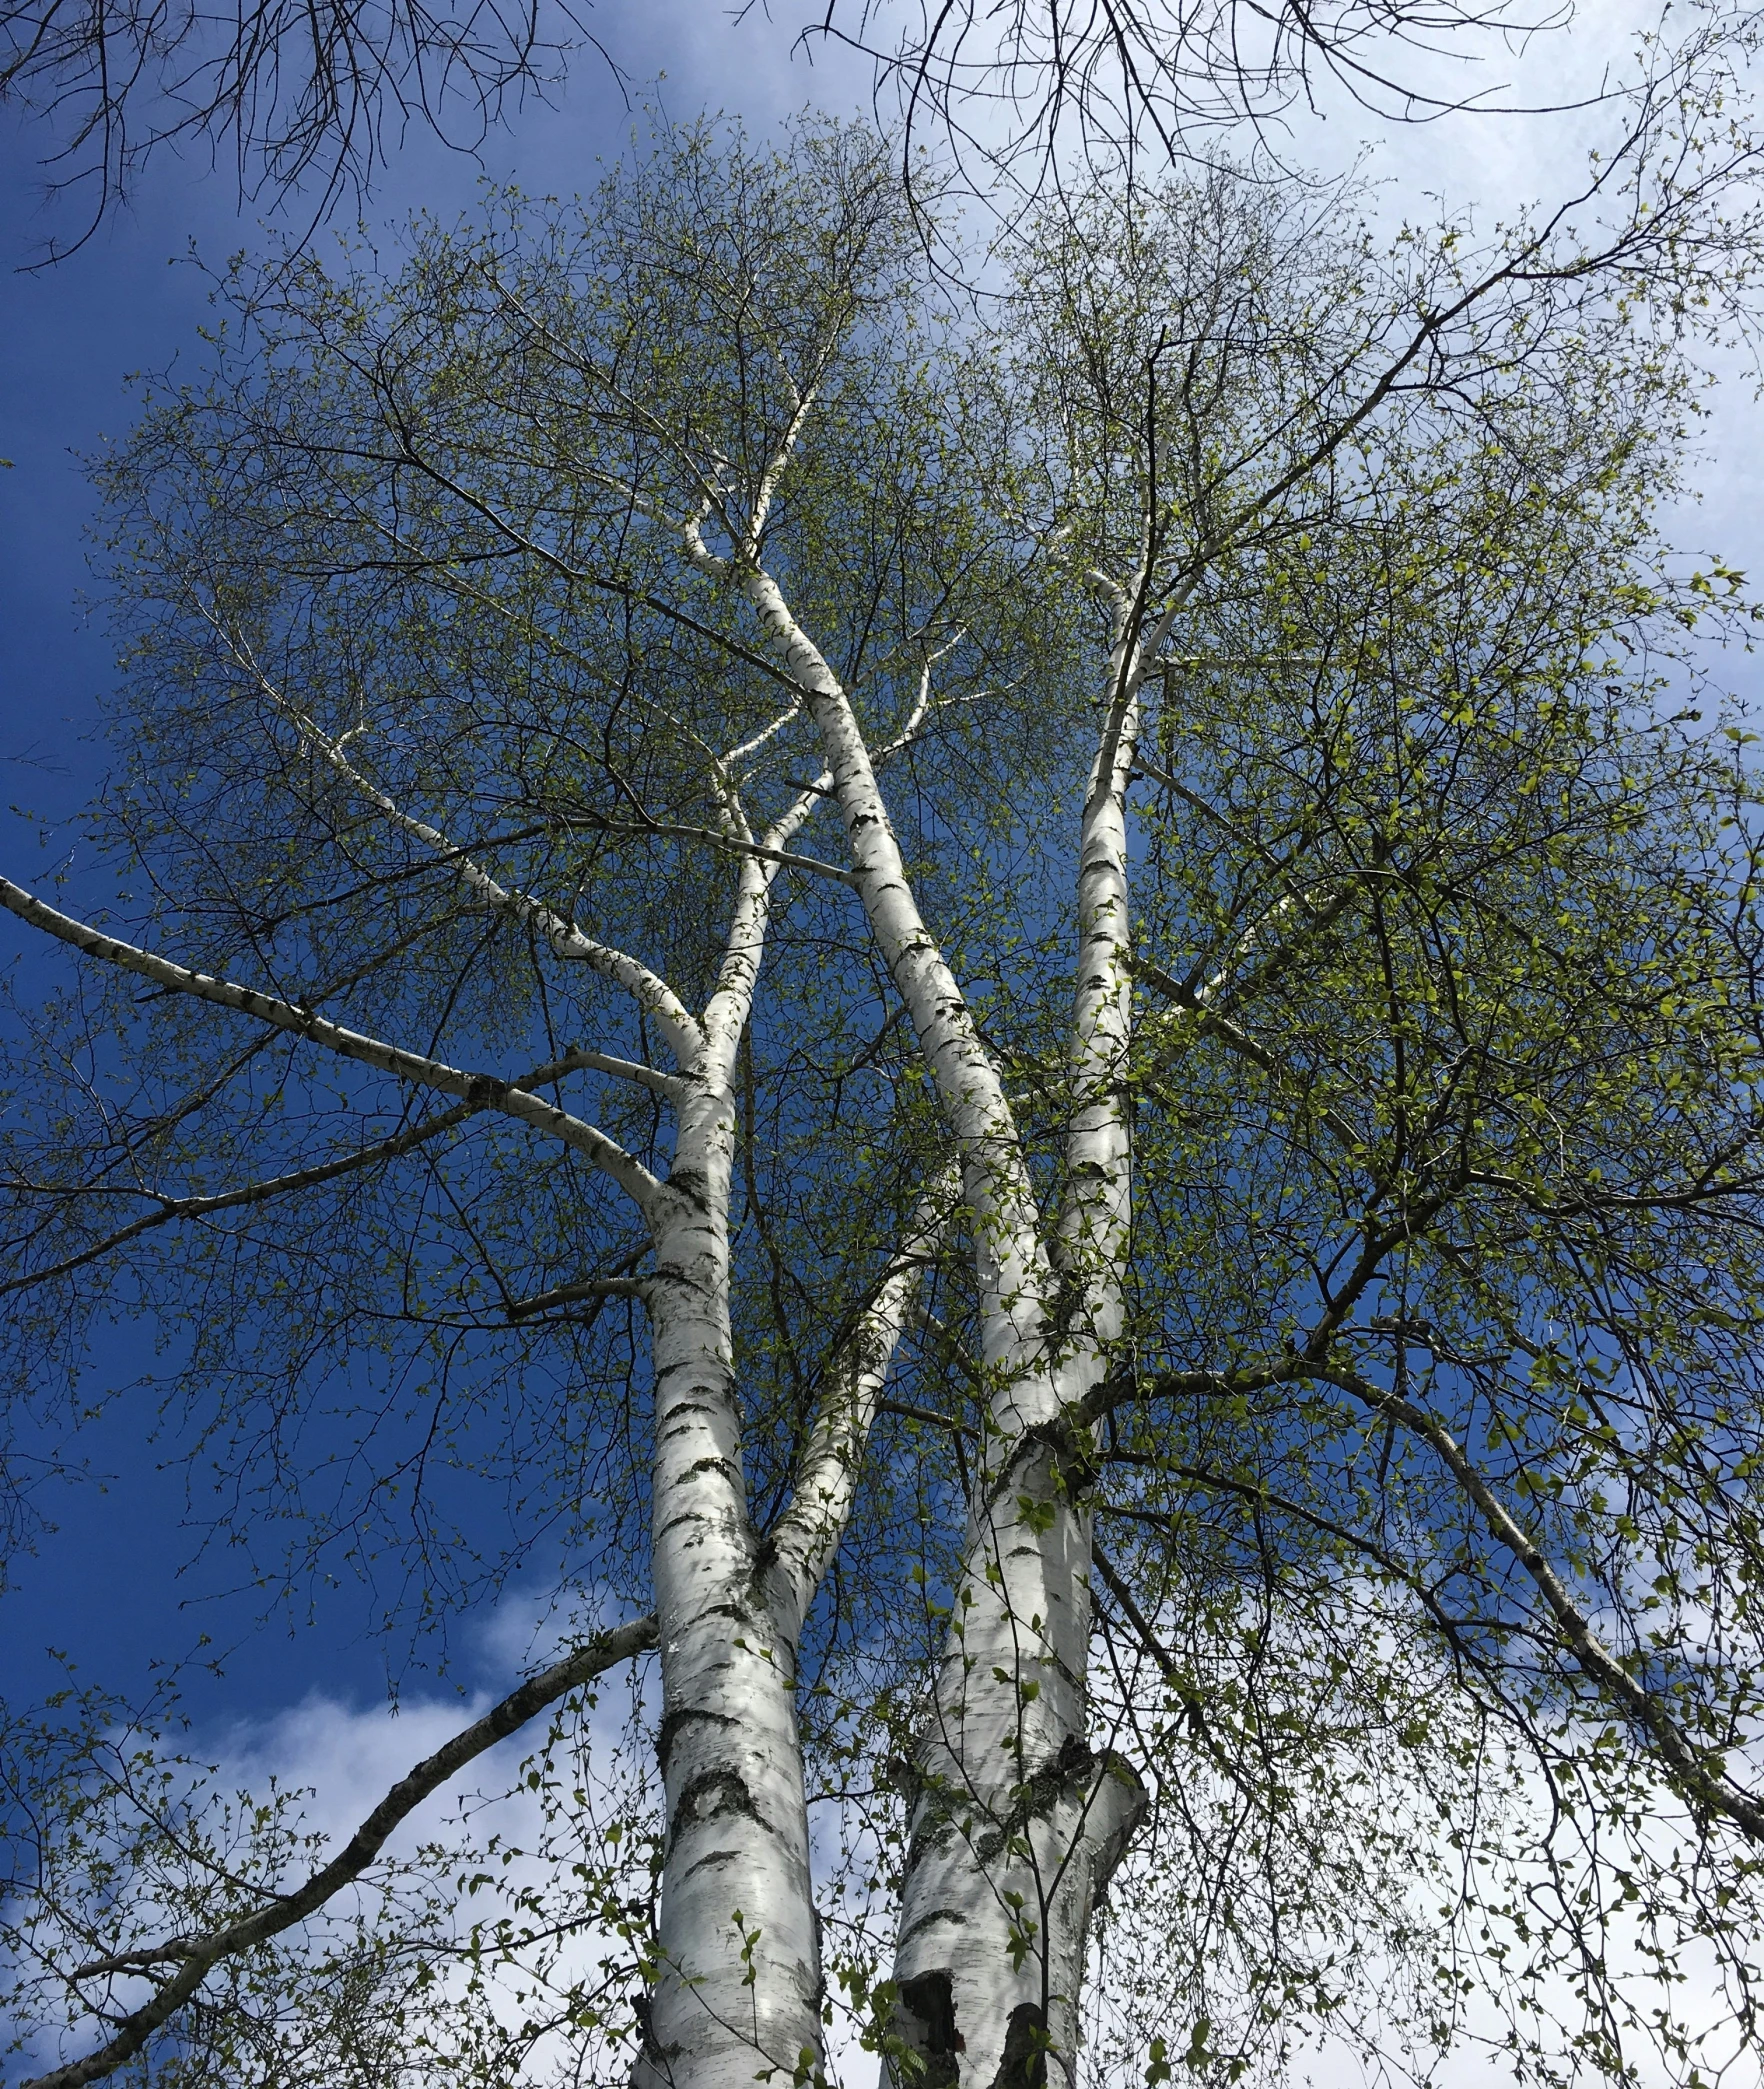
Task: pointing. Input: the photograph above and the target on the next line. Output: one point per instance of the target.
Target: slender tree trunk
(1017, 1821)
(738, 1988)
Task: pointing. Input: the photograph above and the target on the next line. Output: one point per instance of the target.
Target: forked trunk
(1017, 1820)
(1017, 1823)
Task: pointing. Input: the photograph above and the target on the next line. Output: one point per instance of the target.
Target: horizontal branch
(1710, 1186)
(196, 1956)
(908, 1412)
(482, 1091)
(731, 844)
(581, 1288)
(172, 1209)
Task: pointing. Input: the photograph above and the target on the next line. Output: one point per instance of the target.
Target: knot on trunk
(1064, 1446)
(715, 1792)
(1105, 1791)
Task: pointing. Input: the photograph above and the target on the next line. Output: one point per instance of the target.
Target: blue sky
(306, 1698)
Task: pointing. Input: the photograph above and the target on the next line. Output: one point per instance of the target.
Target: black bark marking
(926, 2022)
(658, 2055)
(953, 1916)
(712, 1860)
(675, 1720)
(1069, 1774)
(725, 1792)
(1023, 2063)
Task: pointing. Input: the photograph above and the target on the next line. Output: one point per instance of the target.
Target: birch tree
(1327, 1337)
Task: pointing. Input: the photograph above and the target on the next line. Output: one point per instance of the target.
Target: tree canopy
(1034, 1035)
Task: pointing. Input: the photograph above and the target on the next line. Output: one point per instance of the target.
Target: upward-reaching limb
(807, 1536)
(1095, 1211)
(648, 989)
(1013, 1273)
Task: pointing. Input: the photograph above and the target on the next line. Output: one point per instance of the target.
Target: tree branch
(482, 1091)
(197, 1955)
(1237, 1039)
(647, 988)
(1706, 1784)
(806, 1536)
(172, 1209)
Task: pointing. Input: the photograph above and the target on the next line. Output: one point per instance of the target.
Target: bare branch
(1237, 1039)
(172, 1209)
(579, 1288)
(732, 844)
(647, 988)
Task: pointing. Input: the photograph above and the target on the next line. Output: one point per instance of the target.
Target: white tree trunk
(1017, 1822)
(738, 1986)
(738, 1991)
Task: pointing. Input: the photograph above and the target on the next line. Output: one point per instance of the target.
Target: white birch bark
(1016, 1824)
(739, 1987)
(738, 1990)
(1017, 1821)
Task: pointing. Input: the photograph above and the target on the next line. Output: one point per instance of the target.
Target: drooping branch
(648, 989)
(482, 1091)
(1702, 1780)
(197, 1956)
(1260, 1497)
(170, 1210)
